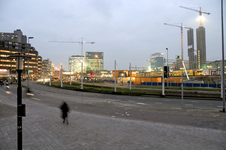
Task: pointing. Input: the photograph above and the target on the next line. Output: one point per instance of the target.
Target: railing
(184, 84)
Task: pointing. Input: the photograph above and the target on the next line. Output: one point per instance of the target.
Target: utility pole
(61, 82)
(130, 76)
(50, 73)
(222, 67)
(115, 75)
(28, 78)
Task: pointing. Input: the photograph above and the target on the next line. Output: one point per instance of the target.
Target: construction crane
(182, 46)
(200, 12)
(80, 42)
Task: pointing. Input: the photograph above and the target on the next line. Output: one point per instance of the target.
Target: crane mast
(182, 39)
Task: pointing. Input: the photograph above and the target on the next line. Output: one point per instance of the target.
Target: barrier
(184, 84)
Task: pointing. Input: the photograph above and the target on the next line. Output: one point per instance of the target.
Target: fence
(184, 84)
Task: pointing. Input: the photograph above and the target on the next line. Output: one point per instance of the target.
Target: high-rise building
(94, 61)
(157, 61)
(47, 68)
(17, 36)
(201, 47)
(191, 49)
(8, 48)
(75, 64)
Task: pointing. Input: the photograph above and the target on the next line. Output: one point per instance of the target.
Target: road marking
(188, 104)
(30, 94)
(195, 101)
(141, 103)
(166, 100)
(8, 92)
(36, 98)
(158, 103)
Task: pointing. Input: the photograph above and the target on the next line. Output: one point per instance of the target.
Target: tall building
(17, 36)
(157, 61)
(8, 48)
(201, 47)
(75, 64)
(191, 49)
(47, 68)
(39, 67)
(94, 61)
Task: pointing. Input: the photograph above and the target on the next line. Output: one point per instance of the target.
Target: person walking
(64, 108)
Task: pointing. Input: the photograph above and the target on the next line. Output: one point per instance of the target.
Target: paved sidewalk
(43, 129)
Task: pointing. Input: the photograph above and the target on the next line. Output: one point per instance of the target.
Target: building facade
(75, 64)
(17, 36)
(157, 61)
(94, 61)
(9, 48)
(191, 56)
(201, 47)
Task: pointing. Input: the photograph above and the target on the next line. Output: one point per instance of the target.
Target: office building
(191, 56)
(47, 69)
(75, 64)
(9, 48)
(201, 47)
(17, 36)
(94, 61)
(157, 61)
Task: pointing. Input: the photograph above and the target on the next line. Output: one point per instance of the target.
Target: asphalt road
(113, 105)
(102, 121)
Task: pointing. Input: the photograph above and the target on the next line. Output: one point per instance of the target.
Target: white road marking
(30, 94)
(195, 101)
(141, 103)
(188, 104)
(158, 103)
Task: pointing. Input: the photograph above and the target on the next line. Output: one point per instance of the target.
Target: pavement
(162, 128)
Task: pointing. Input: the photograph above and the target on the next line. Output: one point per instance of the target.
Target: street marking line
(30, 94)
(36, 98)
(158, 103)
(8, 92)
(188, 104)
(141, 103)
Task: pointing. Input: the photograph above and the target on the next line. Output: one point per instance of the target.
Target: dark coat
(64, 108)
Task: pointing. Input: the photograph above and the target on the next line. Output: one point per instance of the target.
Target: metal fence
(184, 84)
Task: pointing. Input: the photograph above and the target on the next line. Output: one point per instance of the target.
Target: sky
(127, 31)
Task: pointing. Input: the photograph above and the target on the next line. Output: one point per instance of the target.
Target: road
(101, 121)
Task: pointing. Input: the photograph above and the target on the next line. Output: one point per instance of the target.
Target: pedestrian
(64, 108)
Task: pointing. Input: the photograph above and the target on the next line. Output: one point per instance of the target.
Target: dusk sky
(127, 31)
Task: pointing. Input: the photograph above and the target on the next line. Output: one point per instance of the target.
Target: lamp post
(20, 107)
(222, 66)
(167, 66)
(28, 78)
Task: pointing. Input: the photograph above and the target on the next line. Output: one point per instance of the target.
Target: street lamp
(167, 66)
(20, 107)
(28, 78)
